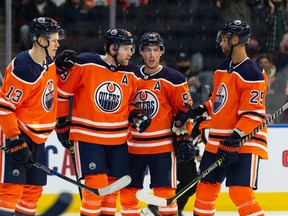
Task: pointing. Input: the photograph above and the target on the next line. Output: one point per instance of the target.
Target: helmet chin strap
(114, 68)
(115, 59)
(46, 51)
(230, 54)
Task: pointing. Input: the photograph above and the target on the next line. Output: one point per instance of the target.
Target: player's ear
(113, 49)
(235, 40)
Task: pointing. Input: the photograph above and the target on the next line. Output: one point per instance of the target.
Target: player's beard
(226, 51)
(122, 62)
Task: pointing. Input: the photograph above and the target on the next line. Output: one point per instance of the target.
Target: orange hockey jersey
(160, 95)
(238, 101)
(102, 100)
(28, 98)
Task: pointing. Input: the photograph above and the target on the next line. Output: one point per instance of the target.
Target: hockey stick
(60, 205)
(117, 185)
(72, 153)
(160, 201)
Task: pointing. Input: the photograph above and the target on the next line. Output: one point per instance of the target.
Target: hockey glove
(20, 153)
(199, 110)
(228, 149)
(65, 60)
(62, 129)
(139, 120)
(195, 129)
(183, 116)
(184, 148)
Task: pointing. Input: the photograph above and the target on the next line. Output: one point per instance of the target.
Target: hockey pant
(21, 199)
(242, 196)
(130, 204)
(98, 205)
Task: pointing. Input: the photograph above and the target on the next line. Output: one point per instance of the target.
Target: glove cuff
(228, 148)
(201, 109)
(61, 120)
(237, 134)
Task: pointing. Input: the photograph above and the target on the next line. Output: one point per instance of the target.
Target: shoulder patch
(25, 68)
(250, 71)
(166, 73)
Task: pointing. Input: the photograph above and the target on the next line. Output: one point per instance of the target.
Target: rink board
(269, 202)
(272, 191)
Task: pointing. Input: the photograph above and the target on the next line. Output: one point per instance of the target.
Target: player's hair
(43, 26)
(117, 37)
(235, 27)
(151, 39)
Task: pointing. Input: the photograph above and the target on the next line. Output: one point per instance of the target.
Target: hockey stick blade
(117, 185)
(120, 183)
(143, 196)
(159, 201)
(60, 205)
(148, 198)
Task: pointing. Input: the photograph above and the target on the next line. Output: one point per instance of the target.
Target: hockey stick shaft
(219, 161)
(59, 206)
(119, 184)
(148, 198)
(72, 153)
(267, 121)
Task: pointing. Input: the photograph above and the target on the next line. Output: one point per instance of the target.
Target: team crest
(147, 101)
(108, 97)
(221, 98)
(48, 96)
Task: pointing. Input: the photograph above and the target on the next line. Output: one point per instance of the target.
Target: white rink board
(273, 174)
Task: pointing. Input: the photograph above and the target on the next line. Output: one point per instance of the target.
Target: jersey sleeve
(252, 104)
(180, 96)
(68, 83)
(13, 93)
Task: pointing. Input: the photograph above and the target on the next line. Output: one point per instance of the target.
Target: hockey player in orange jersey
(103, 87)
(161, 92)
(236, 107)
(28, 100)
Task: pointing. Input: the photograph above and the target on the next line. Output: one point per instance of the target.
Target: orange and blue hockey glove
(228, 149)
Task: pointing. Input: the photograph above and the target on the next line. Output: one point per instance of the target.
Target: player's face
(225, 46)
(124, 54)
(151, 56)
(53, 44)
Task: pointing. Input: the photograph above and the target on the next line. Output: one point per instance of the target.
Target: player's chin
(53, 54)
(125, 63)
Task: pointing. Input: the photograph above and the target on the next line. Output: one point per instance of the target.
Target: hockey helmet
(151, 39)
(43, 26)
(235, 27)
(117, 37)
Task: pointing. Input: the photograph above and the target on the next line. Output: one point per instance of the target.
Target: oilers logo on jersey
(108, 97)
(147, 101)
(221, 98)
(48, 96)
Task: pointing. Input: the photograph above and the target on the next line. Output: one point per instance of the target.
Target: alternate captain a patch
(108, 96)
